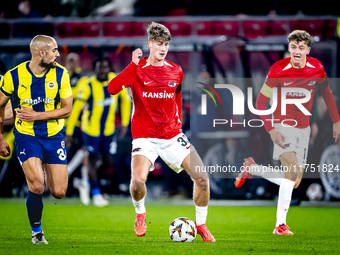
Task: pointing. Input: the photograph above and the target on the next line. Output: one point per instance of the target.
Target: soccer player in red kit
(291, 139)
(155, 86)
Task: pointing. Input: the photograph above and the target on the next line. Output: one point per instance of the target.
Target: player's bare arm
(27, 114)
(328, 97)
(4, 147)
(262, 99)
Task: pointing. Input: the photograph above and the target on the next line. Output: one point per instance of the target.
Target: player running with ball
(155, 85)
(291, 140)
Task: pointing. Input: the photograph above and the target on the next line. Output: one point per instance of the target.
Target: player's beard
(47, 65)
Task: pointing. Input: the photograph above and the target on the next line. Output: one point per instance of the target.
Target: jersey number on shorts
(61, 153)
(183, 140)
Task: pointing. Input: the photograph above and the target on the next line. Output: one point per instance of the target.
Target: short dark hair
(158, 32)
(300, 36)
(102, 59)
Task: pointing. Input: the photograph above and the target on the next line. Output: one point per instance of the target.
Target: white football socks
(139, 205)
(75, 161)
(267, 173)
(201, 214)
(84, 170)
(283, 203)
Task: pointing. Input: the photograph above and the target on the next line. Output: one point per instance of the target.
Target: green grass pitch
(74, 229)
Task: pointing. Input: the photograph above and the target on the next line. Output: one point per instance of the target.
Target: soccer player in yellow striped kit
(41, 96)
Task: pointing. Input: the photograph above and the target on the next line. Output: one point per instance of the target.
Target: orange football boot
(244, 175)
(140, 224)
(283, 230)
(204, 232)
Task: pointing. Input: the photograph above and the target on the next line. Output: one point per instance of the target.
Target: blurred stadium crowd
(85, 8)
(222, 61)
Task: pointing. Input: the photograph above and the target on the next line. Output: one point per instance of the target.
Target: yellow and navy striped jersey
(76, 80)
(39, 93)
(99, 114)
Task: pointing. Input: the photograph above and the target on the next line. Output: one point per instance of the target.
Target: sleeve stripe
(266, 90)
(4, 92)
(324, 84)
(178, 89)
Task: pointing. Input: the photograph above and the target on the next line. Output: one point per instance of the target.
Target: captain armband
(266, 90)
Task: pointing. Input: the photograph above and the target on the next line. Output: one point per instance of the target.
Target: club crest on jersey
(172, 84)
(51, 85)
(63, 144)
(311, 83)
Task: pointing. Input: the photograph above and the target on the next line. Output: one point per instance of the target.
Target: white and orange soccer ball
(182, 230)
(314, 192)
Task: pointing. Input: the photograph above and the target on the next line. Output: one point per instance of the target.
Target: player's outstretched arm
(4, 147)
(125, 106)
(179, 101)
(261, 104)
(331, 106)
(122, 80)
(27, 114)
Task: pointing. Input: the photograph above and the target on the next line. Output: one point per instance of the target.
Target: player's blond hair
(158, 32)
(300, 36)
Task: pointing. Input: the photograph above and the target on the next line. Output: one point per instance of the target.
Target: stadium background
(209, 42)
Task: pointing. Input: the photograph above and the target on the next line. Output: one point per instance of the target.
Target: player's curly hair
(158, 32)
(300, 36)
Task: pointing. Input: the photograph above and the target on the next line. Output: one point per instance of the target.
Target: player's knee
(137, 182)
(37, 187)
(295, 179)
(297, 183)
(289, 159)
(59, 193)
(202, 183)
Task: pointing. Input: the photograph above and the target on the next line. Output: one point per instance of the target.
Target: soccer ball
(182, 230)
(314, 192)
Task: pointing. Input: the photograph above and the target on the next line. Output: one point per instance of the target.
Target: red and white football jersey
(283, 75)
(157, 98)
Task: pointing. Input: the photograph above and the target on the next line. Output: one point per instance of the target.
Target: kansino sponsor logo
(30, 101)
(158, 94)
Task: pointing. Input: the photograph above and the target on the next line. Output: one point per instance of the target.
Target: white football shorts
(172, 151)
(297, 140)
